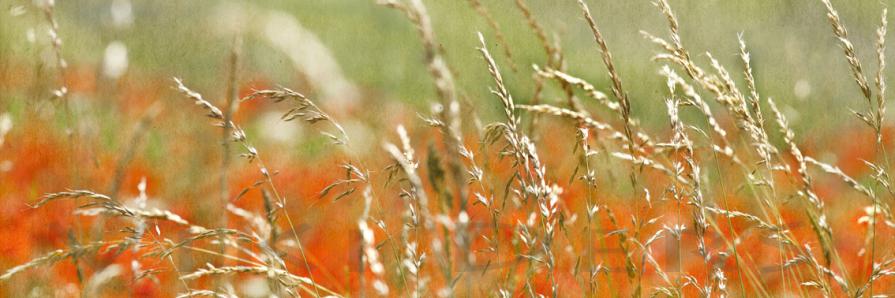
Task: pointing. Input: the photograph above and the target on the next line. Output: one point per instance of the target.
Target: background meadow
(356, 148)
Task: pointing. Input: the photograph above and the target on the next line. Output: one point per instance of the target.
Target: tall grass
(727, 200)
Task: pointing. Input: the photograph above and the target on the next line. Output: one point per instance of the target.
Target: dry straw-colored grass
(728, 193)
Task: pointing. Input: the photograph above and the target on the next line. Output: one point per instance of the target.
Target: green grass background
(378, 49)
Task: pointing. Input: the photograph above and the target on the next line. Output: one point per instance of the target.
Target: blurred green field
(379, 51)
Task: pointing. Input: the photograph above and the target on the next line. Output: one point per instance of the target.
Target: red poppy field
(496, 164)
